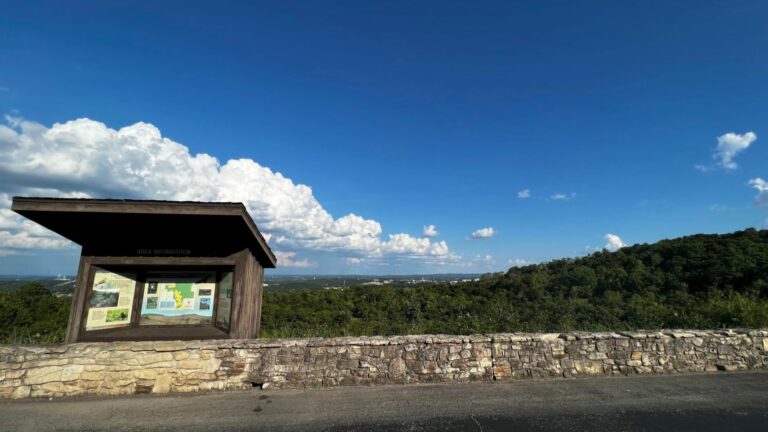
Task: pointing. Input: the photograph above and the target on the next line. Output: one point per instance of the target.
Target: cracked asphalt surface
(716, 402)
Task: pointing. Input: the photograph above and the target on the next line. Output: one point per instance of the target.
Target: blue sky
(415, 113)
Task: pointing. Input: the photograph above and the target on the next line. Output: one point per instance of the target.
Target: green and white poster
(174, 301)
(111, 300)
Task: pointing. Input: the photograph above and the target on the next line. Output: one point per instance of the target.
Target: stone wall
(169, 367)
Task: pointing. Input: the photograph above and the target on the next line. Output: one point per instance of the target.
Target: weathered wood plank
(259, 288)
(246, 314)
(69, 205)
(78, 300)
(161, 261)
(155, 333)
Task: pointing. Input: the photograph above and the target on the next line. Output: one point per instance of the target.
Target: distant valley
(60, 284)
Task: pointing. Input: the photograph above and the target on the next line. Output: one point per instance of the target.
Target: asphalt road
(716, 402)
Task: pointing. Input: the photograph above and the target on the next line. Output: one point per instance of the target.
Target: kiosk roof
(120, 225)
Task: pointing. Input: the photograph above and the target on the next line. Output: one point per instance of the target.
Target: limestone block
(92, 376)
(397, 367)
(150, 358)
(190, 364)
(211, 365)
(588, 367)
(12, 374)
(646, 359)
(486, 362)
(410, 347)
(58, 388)
(597, 356)
(502, 371)
(214, 385)
(21, 392)
(643, 369)
(43, 363)
(44, 374)
(430, 355)
(725, 350)
(550, 337)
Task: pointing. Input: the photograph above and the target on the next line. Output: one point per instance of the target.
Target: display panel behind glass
(111, 300)
(178, 298)
(224, 305)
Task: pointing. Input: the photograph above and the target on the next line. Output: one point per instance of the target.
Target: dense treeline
(32, 314)
(701, 281)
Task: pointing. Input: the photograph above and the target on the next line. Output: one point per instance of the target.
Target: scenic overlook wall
(169, 367)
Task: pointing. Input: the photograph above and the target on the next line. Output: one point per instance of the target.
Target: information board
(111, 301)
(180, 300)
(224, 307)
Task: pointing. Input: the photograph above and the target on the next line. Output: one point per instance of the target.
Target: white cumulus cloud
(405, 244)
(730, 145)
(85, 158)
(20, 233)
(481, 261)
(27, 240)
(525, 193)
(288, 259)
(430, 231)
(613, 242)
(762, 191)
(482, 233)
(759, 184)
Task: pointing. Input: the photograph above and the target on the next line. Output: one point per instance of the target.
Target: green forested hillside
(33, 314)
(701, 281)
(704, 281)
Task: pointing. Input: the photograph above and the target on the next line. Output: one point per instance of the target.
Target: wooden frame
(245, 307)
(135, 328)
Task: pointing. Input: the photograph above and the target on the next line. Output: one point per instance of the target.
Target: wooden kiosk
(159, 270)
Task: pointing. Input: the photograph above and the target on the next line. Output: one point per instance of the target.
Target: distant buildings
(378, 282)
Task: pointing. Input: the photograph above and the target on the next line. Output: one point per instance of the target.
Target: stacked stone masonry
(192, 366)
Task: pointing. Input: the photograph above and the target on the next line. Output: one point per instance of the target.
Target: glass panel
(225, 300)
(111, 300)
(178, 298)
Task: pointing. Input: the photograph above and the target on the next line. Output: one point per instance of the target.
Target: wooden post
(259, 283)
(78, 299)
(249, 276)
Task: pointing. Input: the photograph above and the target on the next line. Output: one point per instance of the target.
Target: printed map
(181, 292)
